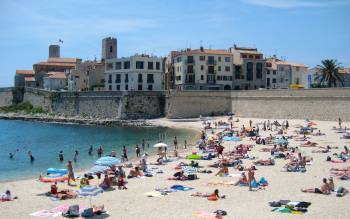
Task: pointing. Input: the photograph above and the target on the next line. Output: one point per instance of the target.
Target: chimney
(202, 49)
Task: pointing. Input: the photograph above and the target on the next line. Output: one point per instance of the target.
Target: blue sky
(304, 31)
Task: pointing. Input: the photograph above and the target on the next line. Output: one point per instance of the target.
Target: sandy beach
(239, 202)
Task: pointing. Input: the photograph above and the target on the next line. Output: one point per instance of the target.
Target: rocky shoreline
(73, 120)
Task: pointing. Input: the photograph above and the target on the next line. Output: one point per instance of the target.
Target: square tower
(109, 48)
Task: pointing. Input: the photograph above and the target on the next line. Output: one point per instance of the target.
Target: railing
(211, 72)
(190, 61)
(190, 72)
(211, 62)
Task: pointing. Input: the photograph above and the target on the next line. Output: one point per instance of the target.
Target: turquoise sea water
(45, 140)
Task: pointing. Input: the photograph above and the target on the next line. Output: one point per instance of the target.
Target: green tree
(327, 73)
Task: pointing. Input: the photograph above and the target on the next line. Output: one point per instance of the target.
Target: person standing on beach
(143, 144)
(70, 172)
(251, 178)
(339, 122)
(60, 156)
(250, 123)
(287, 124)
(137, 150)
(90, 150)
(76, 153)
(125, 153)
(185, 145)
(175, 143)
(31, 158)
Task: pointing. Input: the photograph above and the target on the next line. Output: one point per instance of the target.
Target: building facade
(24, 78)
(249, 71)
(135, 73)
(55, 81)
(282, 74)
(344, 75)
(203, 69)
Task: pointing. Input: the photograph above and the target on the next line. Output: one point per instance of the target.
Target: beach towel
(46, 214)
(181, 188)
(154, 194)
(207, 215)
(221, 183)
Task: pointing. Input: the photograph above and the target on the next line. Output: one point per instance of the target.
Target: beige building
(249, 68)
(282, 74)
(55, 81)
(24, 78)
(203, 69)
(88, 75)
(138, 73)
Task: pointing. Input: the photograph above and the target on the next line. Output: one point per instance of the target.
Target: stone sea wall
(318, 104)
(102, 104)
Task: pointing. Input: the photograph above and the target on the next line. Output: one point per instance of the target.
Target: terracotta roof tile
(29, 78)
(57, 75)
(204, 52)
(24, 72)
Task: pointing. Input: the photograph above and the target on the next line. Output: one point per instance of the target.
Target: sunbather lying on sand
(135, 173)
(268, 162)
(214, 195)
(325, 189)
(180, 175)
(309, 144)
(223, 171)
(62, 195)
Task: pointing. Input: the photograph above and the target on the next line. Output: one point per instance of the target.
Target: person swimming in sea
(76, 153)
(30, 156)
(90, 150)
(11, 155)
(60, 156)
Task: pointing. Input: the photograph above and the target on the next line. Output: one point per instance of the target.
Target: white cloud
(296, 3)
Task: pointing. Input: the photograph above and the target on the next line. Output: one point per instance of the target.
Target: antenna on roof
(200, 43)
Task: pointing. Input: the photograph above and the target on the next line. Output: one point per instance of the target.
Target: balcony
(211, 81)
(189, 61)
(117, 81)
(211, 72)
(190, 72)
(189, 81)
(211, 62)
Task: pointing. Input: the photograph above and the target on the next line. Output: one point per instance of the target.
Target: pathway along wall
(319, 104)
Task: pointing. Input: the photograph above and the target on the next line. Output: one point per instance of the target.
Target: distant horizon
(301, 31)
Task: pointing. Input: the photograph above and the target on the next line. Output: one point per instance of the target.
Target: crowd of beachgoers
(226, 157)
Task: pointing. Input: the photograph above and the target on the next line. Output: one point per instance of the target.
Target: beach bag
(220, 212)
(192, 176)
(88, 212)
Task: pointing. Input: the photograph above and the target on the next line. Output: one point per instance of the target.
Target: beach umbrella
(107, 161)
(52, 178)
(89, 191)
(189, 169)
(98, 169)
(280, 141)
(160, 145)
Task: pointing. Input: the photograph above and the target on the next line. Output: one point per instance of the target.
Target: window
(227, 59)
(178, 78)
(118, 86)
(297, 80)
(190, 69)
(202, 67)
(268, 72)
(268, 82)
(238, 72)
(250, 56)
(273, 80)
(139, 65)
(219, 68)
(227, 68)
(150, 87)
(219, 59)
(109, 78)
(211, 60)
(202, 77)
(117, 78)
(211, 78)
(190, 78)
(281, 68)
(126, 87)
(139, 79)
(202, 58)
(127, 65)
(139, 87)
(111, 49)
(211, 70)
(126, 78)
(250, 71)
(118, 65)
(150, 78)
(157, 65)
(274, 72)
(257, 57)
(110, 87)
(150, 65)
(178, 59)
(109, 66)
(219, 78)
(259, 69)
(244, 56)
(190, 60)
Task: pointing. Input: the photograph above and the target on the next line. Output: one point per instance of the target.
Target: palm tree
(328, 71)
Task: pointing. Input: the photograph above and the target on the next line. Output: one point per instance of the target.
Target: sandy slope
(240, 203)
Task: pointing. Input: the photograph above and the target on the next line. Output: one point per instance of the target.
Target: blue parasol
(107, 161)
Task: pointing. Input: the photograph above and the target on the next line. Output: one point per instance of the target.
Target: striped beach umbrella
(231, 138)
(107, 161)
(89, 191)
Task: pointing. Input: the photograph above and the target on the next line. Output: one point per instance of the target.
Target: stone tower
(54, 51)
(109, 48)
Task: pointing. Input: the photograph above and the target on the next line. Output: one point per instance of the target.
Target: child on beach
(121, 183)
